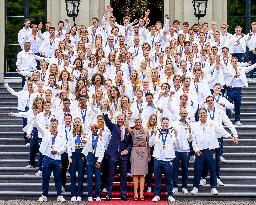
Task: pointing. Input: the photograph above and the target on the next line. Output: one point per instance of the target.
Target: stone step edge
(34, 169)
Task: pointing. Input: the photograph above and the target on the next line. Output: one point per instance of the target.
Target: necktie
(122, 133)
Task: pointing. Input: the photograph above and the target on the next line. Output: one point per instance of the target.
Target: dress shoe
(124, 198)
(108, 197)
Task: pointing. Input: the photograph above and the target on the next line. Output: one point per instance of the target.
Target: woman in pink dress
(139, 157)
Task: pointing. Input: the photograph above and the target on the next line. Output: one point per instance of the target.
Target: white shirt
(26, 61)
(204, 136)
(218, 116)
(183, 136)
(23, 33)
(164, 145)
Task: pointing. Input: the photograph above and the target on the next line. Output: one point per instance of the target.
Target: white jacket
(46, 145)
(171, 143)
(30, 120)
(235, 40)
(23, 97)
(71, 144)
(183, 138)
(221, 117)
(204, 136)
(100, 148)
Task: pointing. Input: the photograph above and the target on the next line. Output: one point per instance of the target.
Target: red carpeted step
(129, 194)
(129, 202)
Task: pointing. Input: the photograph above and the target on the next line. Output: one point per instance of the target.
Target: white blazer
(171, 143)
(230, 73)
(23, 97)
(71, 144)
(46, 145)
(182, 139)
(100, 149)
(30, 120)
(206, 137)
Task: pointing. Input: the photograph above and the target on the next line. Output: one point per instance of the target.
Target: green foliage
(237, 14)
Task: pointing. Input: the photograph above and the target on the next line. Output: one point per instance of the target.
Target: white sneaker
(42, 199)
(192, 158)
(184, 191)
(175, 190)
(214, 191)
(60, 199)
(194, 191)
(149, 189)
(90, 199)
(104, 190)
(222, 159)
(202, 182)
(171, 199)
(79, 199)
(29, 166)
(27, 144)
(156, 198)
(73, 199)
(39, 173)
(238, 123)
(98, 198)
(67, 174)
(129, 175)
(219, 183)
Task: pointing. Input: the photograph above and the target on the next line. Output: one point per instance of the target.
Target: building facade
(55, 10)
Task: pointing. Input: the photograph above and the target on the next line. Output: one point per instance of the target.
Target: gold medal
(93, 151)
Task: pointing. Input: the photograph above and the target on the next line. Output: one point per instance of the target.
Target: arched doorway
(136, 8)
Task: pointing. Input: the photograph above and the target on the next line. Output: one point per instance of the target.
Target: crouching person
(94, 150)
(52, 146)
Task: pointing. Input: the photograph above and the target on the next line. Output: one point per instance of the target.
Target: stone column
(171, 10)
(94, 9)
(224, 11)
(84, 13)
(54, 11)
(217, 12)
(2, 36)
(179, 10)
(167, 7)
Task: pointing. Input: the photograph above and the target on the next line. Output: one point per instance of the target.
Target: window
(136, 8)
(242, 13)
(15, 13)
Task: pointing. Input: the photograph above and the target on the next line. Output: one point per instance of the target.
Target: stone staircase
(238, 173)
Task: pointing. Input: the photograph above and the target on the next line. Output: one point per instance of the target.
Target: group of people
(137, 99)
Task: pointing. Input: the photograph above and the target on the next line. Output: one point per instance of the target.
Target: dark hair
(95, 18)
(67, 115)
(53, 120)
(202, 108)
(165, 118)
(149, 93)
(66, 99)
(101, 76)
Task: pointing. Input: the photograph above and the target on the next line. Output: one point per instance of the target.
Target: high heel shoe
(135, 198)
(142, 198)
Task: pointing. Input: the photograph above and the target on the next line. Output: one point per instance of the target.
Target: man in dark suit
(118, 151)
